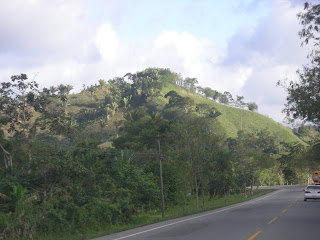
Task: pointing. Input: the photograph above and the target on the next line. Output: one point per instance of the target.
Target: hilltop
(101, 110)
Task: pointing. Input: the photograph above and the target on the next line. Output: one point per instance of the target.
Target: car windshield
(313, 187)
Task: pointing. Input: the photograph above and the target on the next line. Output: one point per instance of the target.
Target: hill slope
(234, 119)
(99, 111)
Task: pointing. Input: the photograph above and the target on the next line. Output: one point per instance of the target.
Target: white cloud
(107, 42)
(272, 50)
(187, 46)
(39, 28)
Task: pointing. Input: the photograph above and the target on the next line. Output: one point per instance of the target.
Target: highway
(280, 215)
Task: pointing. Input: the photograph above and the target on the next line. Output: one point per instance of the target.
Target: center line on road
(273, 220)
(254, 235)
(284, 211)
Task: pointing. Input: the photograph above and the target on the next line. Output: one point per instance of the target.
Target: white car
(312, 192)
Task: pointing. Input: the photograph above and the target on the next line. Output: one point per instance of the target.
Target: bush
(20, 224)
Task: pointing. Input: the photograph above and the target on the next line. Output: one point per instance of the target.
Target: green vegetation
(303, 100)
(175, 212)
(74, 164)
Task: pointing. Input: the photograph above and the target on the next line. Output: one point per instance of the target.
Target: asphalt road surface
(281, 215)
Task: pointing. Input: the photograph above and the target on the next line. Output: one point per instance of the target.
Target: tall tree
(17, 107)
(239, 103)
(25, 109)
(303, 100)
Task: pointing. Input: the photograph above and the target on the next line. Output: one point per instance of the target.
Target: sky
(240, 46)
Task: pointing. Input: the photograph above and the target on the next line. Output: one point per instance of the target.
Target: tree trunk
(197, 193)
(185, 202)
(202, 195)
(8, 159)
(245, 189)
(252, 182)
(224, 196)
(29, 154)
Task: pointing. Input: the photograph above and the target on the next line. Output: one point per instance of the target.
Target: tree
(222, 180)
(25, 109)
(253, 152)
(102, 83)
(125, 101)
(206, 111)
(175, 100)
(252, 106)
(225, 98)
(303, 99)
(186, 103)
(8, 152)
(194, 146)
(239, 103)
(229, 97)
(202, 109)
(114, 107)
(210, 93)
(173, 97)
(64, 91)
(18, 103)
(145, 84)
(190, 84)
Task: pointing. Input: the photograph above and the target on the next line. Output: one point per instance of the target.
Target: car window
(313, 187)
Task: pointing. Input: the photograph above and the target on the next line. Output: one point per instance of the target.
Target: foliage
(303, 100)
(252, 106)
(71, 186)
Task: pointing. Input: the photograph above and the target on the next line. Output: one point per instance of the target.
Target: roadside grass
(177, 211)
(142, 219)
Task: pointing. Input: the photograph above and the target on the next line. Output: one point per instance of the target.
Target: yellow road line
(290, 205)
(254, 235)
(284, 211)
(273, 220)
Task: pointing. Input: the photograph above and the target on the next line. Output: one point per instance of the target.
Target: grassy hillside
(231, 118)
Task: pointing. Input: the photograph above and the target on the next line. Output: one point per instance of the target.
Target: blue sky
(240, 46)
(215, 20)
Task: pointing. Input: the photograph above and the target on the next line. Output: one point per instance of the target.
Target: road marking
(204, 215)
(290, 206)
(284, 211)
(273, 220)
(254, 235)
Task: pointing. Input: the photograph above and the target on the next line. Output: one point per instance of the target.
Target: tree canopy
(303, 99)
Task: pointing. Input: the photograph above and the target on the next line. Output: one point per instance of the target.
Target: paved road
(281, 215)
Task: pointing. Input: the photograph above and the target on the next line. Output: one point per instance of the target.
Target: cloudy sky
(240, 46)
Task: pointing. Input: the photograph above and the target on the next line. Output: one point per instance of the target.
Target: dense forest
(82, 162)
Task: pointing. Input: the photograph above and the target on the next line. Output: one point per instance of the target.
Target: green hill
(99, 111)
(234, 119)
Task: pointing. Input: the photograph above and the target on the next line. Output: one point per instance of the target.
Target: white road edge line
(207, 214)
